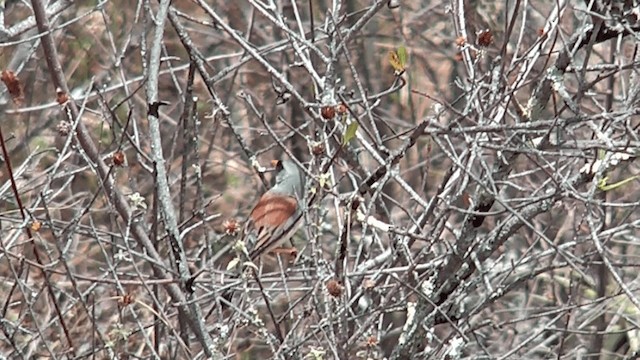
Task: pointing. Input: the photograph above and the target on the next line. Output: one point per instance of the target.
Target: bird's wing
(271, 211)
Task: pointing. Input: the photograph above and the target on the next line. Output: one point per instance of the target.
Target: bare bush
(472, 183)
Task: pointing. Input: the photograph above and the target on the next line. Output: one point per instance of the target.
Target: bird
(274, 218)
(276, 215)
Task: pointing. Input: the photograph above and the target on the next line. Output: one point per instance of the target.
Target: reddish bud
(334, 288)
(119, 158)
(12, 83)
(231, 226)
(485, 38)
(328, 112)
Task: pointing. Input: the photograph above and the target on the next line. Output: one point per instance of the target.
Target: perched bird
(276, 216)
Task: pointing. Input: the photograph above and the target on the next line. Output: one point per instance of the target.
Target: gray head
(289, 179)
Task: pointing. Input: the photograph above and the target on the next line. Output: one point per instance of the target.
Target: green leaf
(402, 55)
(350, 133)
(233, 263)
(324, 179)
(398, 60)
(602, 185)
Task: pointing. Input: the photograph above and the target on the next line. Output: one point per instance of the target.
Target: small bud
(372, 341)
(317, 148)
(542, 34)
(355, 204)
(368, 284)
(118, 158)
(240, 247)
(127, 299)
(341, 109)
(461, 40)
(61, 96)
(231, 226)
(137, 201)
(63, 128)
(485, 38)
(13, 85)
(334, 288)
(328, 112)
(36, 225)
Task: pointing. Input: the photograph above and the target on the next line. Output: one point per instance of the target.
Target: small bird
(276, 216)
